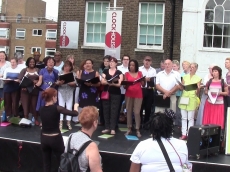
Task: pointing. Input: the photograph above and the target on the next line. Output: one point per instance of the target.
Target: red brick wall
(74, 10)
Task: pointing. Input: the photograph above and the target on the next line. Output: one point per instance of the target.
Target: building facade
(24, 28)
(206, 40)
(148, 28)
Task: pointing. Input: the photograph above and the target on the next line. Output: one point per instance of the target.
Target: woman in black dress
(88, 94)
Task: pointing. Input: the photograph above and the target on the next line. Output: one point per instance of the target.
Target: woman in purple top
(47, 77)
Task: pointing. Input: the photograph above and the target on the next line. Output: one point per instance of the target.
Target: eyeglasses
(148, 60)
(125, 59)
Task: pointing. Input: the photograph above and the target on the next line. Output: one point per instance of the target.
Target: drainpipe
(172, 28)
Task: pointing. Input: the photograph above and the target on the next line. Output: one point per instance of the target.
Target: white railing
(26, 19)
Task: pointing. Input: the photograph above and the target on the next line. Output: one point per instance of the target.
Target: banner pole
(115, 3)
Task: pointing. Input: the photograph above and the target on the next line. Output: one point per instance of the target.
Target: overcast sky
(51, 8)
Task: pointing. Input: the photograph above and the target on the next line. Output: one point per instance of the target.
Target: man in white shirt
(123, 68)
(166, 85)
(148, 92)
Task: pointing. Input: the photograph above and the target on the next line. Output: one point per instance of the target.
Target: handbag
(184, 100)
(105, 95)
(186, 167)
(165, 155)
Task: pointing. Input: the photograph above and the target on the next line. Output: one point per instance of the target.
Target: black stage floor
(115, 151)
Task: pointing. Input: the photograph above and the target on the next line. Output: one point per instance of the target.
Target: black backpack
(69, 160)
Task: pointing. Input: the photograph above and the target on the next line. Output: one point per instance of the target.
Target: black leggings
(51, 144)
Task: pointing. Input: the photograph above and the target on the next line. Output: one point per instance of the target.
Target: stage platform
(115, 151)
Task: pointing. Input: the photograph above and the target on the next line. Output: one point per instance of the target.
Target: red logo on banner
(112, 39)
(64, 41)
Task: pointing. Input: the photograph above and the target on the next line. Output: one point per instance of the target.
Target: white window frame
(36, 49)
(53, 31)
(138, 32)
(20, 30)
(49, 50)
(5, 48)
(33, 34)
(6, 35)
(85, 28)
(201, 43)
(20, 48)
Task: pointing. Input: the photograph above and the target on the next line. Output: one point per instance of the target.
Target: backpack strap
(209, 83)
(222, 84)
(83, 147)
(68, 148)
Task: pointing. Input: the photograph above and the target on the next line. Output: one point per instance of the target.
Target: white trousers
(68, 103)
(187, 116)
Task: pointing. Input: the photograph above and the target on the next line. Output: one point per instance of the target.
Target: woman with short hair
(90, 157)
(148, 156)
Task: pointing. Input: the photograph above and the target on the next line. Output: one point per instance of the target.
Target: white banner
(69, 34)
(113, 32)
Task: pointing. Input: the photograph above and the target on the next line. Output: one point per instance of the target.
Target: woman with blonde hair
(189, 106)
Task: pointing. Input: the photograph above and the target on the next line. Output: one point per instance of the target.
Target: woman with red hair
(51, 138)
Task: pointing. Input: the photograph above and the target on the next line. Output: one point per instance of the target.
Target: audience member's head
(89, 117)
(161, 125)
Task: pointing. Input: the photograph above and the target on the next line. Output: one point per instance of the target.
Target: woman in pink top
(133, 96)
(214, 106)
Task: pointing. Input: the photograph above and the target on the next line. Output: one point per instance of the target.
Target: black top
(112, 89)
(50, 117)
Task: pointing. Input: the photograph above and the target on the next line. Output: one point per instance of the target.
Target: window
(19, 49)
(5, 49)
(4, 33)
(150, 26)
(37, 32)
(95, 23)
(51, 34)
(33, 49)
(20, 33)
(217, 24)
(50, 52)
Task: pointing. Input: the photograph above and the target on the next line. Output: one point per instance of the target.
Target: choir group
(143, 89)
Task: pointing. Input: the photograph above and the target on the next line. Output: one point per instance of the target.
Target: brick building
(24, 28)
(138, 15)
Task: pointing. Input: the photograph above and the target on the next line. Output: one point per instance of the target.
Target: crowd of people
(158, 89)
(143, 89)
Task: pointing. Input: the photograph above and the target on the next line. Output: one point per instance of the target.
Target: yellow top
(193, 100)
